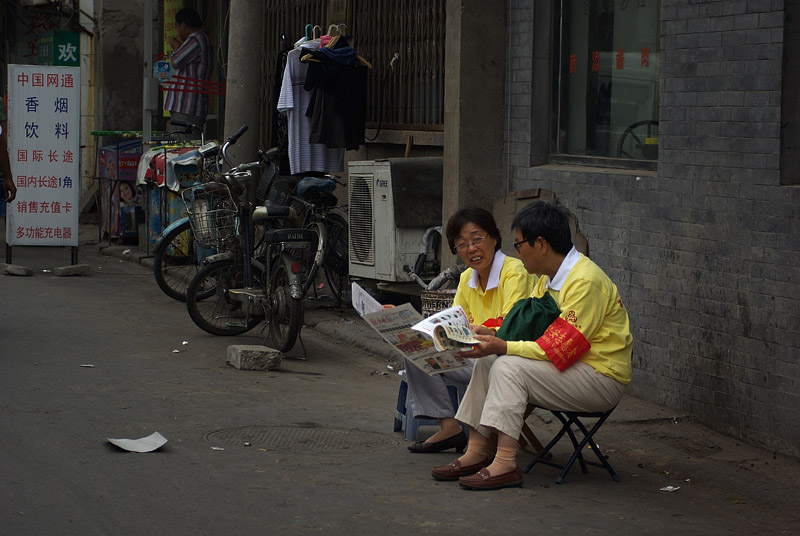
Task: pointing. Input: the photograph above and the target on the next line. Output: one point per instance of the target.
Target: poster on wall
(44, 149)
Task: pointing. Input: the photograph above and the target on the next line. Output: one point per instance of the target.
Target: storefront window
(607, 76)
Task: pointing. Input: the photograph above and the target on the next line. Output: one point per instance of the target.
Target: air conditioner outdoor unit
(392, 203)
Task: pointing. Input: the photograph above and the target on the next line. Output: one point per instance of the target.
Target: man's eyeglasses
(475, 241)
(518, 245)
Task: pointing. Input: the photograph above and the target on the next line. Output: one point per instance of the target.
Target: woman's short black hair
(547, 220)
(478, 216)
(189, 16)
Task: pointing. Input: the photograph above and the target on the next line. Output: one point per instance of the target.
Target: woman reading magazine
(487, 290)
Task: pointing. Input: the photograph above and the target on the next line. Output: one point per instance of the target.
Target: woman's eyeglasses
(475, 241)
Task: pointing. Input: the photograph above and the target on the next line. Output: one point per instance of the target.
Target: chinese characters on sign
(44, 144)
(644, 60)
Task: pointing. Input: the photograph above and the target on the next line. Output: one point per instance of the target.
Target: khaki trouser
(502, 386)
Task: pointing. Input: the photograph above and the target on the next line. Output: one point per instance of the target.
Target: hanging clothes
(304, 156)
(337, 78)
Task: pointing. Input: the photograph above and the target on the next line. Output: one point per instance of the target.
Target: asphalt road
(308, 449)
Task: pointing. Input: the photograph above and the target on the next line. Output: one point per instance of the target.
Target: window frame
(547, 62)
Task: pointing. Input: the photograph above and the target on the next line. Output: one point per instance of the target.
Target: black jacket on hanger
(338, 80)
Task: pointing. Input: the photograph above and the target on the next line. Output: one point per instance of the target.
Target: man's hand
(489, 345)
(482, 330)
(175, 43)
(11, 189)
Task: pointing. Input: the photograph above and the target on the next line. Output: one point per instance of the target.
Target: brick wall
(705, 251)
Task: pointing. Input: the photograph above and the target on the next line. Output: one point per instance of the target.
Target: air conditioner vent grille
(362, 246)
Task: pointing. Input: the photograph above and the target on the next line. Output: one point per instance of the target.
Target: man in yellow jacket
(582, 362)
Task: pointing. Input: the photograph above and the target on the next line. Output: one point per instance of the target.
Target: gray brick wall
(705, 251)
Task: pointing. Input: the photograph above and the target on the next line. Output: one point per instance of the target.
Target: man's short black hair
(477, 216)
(189, 16)
(547, 220)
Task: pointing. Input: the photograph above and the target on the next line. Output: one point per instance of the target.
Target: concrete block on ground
(253, 357)
(74, 269)
(15, 269)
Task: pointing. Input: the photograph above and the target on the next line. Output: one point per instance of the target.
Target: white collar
(563, 271)
(494, 273)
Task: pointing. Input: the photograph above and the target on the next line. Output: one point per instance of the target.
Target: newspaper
(429, 343)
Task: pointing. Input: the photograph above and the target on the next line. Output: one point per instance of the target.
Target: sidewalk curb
(128, 253)
(343, 331)
(342, 324)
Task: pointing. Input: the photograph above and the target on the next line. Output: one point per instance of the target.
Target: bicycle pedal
(247, 295)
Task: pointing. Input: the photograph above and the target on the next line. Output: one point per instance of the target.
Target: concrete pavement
(308, 449)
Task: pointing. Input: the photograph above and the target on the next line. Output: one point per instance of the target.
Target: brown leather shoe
(482, 480)
(454, 470)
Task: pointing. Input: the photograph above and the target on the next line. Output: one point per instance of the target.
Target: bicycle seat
(290, 236)
(307, 183)
(271, 211)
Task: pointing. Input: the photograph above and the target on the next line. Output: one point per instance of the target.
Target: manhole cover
(296, 438)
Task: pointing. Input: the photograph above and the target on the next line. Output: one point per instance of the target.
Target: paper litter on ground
(145, 444)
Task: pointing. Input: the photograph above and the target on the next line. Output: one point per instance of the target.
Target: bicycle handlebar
(189, 126)
(247, 167)
(230, 141)
(337, 180)
(238, 134)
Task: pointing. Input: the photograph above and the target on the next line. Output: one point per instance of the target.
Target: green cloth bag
(528, 319)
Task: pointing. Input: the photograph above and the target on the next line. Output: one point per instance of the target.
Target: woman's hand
(489, 345)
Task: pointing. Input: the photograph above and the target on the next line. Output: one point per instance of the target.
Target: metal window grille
(408, 96)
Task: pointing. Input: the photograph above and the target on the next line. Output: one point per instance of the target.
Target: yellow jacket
(508, 282)
(589, 302)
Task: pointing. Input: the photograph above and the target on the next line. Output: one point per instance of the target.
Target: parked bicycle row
(238, 263)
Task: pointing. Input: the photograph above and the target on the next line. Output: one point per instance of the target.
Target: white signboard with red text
(44, 148)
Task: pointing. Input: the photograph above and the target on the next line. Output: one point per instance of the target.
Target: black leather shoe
(458, 442)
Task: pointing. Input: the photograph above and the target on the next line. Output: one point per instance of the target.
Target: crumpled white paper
(146, 444)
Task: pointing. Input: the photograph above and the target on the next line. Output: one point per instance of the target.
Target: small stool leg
(412, 425)
(400, 410)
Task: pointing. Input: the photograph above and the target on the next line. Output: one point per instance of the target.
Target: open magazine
(429, 343)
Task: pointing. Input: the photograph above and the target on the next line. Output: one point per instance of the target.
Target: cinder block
(14, 269)
(253, 357)
(74, 269)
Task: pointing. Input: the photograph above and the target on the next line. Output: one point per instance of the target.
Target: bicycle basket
(212, 213)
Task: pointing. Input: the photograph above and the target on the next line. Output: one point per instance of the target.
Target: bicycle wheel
(285, 312)
(337, 254)
(210, 303)
(175, 261)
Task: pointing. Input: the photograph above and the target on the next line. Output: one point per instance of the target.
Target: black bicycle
(236, 290)
(177, 256)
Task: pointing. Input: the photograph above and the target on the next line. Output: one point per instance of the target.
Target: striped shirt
(191, 60)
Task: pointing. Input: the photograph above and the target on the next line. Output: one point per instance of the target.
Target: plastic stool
(404, 414)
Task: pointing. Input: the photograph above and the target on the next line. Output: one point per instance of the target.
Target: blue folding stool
(404, 414)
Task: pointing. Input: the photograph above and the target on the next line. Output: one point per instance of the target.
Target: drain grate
(302, 439)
